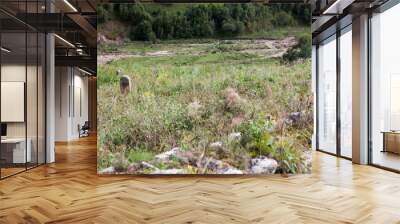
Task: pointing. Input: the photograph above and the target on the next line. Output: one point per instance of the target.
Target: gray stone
(125, 84)
(220, 151)
(108, 170)
(213, 165)
(170, 171)
(263, 165)
(229, 170)
(147, 165)
(133, 168)
(166, 155)
(235, 136)
(216, 145)
(184, 157)
(295, 116)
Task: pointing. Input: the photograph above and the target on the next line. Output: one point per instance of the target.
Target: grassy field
(224, 105)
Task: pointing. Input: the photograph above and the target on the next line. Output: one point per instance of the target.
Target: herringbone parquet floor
(70, 191)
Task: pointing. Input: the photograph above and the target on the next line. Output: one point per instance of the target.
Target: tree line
(151, 22)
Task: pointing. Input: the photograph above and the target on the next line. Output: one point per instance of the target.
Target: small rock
(216, 145)
(184, 157)
(166, 155)
(133, 168)
(293, 118)
(235, 136)
(212, 164)
(147, 165)
(230, 170)
(220, 151)
(263, 165)
(170, 171)
(108, 170)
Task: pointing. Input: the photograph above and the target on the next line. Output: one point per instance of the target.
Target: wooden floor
(70, 191)
(387, 159)
(5, 172)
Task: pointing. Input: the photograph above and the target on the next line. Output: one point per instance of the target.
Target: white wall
(70, 83)
(33, 126)
(62, 81)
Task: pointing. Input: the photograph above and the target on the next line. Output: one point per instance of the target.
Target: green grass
(139, 155)
(278, 33)
(138, 47)
(158, 114)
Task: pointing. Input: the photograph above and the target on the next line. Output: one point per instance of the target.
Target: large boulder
(263, 165)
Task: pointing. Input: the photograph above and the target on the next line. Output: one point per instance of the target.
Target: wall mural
(204, 89)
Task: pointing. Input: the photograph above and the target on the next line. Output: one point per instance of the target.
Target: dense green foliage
(301, 50)
(151, 22)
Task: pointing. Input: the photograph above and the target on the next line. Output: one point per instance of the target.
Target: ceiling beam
(86, 27)
(77, 61)
(204, 1)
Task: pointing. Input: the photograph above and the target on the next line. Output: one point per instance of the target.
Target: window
(385, 88)
(327, 95)
(22, 77)
(346, 92)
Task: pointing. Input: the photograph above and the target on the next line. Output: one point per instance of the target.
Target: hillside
(187, 21)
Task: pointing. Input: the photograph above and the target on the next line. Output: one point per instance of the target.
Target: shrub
(102, 15)
(104, 158)
(240, 27)
(256, 136)
(282, 18)
(200, 20)
(288, 157)
(143, 31)
(228, 27)
(301, 50)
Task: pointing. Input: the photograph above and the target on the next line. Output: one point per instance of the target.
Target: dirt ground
(268, 48)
